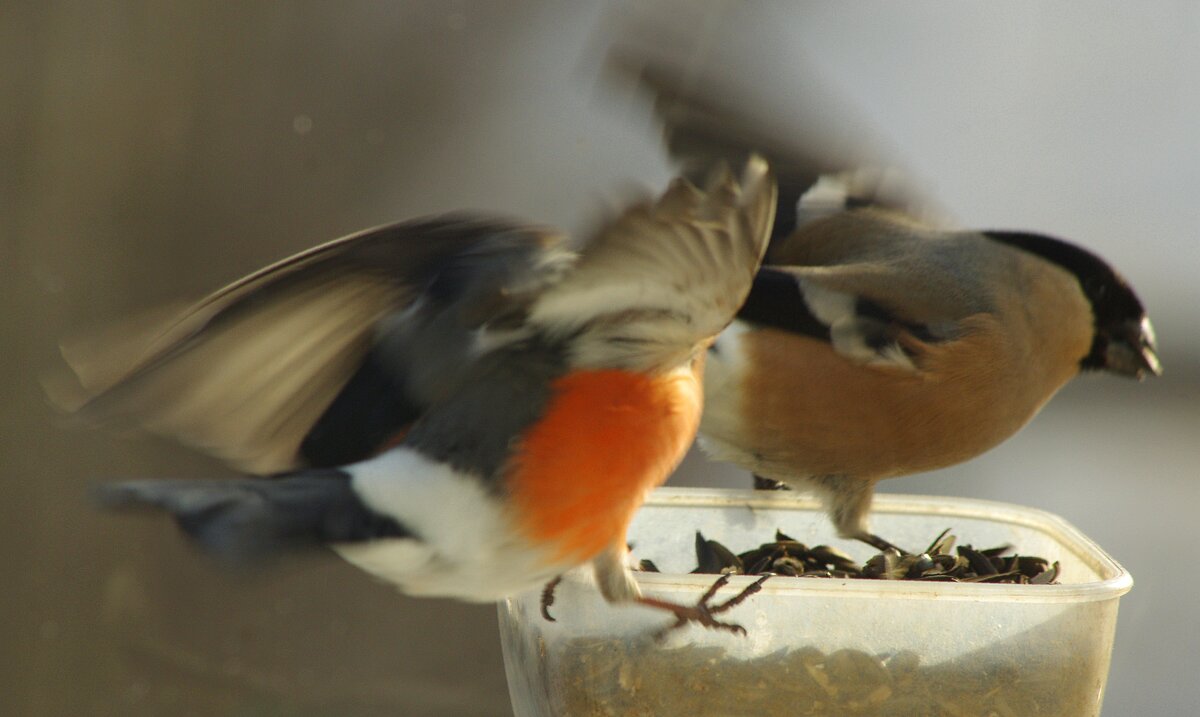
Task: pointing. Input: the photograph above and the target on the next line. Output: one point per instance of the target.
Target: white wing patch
(827, 196)
(849, 332)
(876, 186)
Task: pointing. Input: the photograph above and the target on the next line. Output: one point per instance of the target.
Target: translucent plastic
(823, 646)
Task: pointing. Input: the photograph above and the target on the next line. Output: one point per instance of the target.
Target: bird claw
(764, 483)
(548, 598)
(702, 613)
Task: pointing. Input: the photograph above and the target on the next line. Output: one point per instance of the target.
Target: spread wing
(246, 373)
(821, 167)
(665, 276)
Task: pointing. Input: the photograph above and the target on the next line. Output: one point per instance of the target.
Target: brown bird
(874, 344)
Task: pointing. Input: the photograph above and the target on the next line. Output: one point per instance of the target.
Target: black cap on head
(1124, 338)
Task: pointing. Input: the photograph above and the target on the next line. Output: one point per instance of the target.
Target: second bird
(873, 344)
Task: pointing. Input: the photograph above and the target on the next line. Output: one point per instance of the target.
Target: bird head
(1123, 339)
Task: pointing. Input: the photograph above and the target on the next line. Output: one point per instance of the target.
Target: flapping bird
(460, 405)
(875, 343)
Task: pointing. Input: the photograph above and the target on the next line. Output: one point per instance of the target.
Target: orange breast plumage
(607, 438)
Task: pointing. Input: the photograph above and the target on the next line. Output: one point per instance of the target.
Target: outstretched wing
(246, 373)
(707, 118)
(664, 276)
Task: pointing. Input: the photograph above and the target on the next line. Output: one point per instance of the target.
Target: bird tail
(252, 520)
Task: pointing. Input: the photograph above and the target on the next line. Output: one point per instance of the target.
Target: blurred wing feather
(665, 276)
(245, 373)
(708, 116)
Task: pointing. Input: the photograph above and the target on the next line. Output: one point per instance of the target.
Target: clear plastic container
(824, 646)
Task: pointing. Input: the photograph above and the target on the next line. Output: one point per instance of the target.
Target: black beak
(1131, 351)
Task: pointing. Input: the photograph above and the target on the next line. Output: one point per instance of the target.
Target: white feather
(838, 311)
(480, 559)
(725, 368)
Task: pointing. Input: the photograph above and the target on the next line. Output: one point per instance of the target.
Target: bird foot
(763, 483)
(548, 598)
(702, 613)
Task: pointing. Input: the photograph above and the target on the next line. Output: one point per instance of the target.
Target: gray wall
(156, 150)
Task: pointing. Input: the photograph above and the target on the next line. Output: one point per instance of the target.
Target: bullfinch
(875, 343)
(462, 405)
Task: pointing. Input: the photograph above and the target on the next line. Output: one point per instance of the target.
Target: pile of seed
(788, 556)
(1027, 676)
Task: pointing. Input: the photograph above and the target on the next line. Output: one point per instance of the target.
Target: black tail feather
(254, 519)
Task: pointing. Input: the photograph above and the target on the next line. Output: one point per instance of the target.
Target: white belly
(464, 545)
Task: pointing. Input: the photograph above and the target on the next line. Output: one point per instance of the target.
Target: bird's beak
(1131, 352)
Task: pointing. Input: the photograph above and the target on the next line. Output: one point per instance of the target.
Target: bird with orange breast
(460, 405)
(874, 344)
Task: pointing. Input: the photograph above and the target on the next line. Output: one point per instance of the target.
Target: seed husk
(789, 557)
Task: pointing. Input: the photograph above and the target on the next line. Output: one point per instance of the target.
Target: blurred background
(153, 151)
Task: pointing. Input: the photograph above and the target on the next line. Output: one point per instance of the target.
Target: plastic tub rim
(1118, 582)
